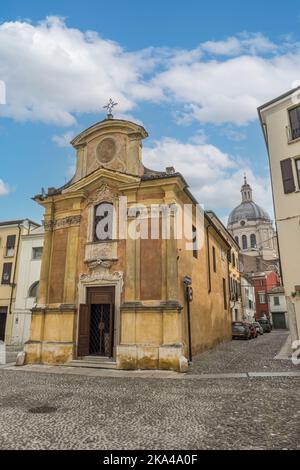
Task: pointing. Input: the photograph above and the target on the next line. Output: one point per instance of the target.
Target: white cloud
(233, 134)
(4, 188)
(230, 90)
(242, 43)
(214, 177)
(52, 72)
(63, 140)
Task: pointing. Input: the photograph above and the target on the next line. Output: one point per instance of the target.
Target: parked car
(266, 325)
(253, 330)
(240, 330)
(258, 327)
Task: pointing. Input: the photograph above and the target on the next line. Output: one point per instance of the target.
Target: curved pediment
(113, 144)
(106, 127)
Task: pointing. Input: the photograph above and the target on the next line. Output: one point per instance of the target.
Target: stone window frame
(91, 221)
(95, 221)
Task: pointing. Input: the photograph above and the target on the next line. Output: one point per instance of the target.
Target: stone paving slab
(274, 374)
(89, 372)
(143, 374)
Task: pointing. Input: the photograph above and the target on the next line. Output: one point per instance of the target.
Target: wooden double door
(96, 323)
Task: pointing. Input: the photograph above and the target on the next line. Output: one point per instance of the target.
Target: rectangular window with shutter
(6, 273)
(297, 162)
(287, 176)
(10, 245)
(295, 122)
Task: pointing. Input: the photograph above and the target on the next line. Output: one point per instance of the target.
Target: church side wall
(210, 321)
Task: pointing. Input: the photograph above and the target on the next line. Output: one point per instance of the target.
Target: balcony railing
(292, 133)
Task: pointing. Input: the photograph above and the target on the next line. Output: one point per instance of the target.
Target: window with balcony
(294, 115)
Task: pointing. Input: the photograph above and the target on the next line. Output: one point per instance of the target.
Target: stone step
(96, 359)
(92, 364)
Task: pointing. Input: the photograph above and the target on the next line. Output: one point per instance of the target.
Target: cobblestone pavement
(55, 411)
(245, 356)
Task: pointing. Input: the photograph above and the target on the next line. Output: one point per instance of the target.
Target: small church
(132, 301)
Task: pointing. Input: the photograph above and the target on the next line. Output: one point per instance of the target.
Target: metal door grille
(3, 315)
(100, 333)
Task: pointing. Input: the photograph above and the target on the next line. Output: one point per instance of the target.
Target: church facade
(139, 299)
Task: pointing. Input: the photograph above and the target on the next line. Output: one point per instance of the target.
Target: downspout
(15, 270)
(189, 324)
(229, 283)
(208, 258)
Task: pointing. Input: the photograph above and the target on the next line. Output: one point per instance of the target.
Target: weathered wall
(210, 322)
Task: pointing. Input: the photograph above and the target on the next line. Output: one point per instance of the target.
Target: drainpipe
(229, 282)
(15, 270)
(187, 282)
(189, 324)
(208, 258)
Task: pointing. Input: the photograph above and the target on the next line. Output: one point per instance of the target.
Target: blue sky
(191, 72)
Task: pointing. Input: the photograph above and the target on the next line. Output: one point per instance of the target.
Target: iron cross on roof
(109, 106)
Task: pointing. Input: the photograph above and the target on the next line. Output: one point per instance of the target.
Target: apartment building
(280, 121)
(10, 241)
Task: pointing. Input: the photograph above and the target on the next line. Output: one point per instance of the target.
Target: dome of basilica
(248, 210)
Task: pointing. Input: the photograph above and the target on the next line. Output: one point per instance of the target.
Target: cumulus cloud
(53, 72)
(231, 90)
(4, 189)
(214, 177)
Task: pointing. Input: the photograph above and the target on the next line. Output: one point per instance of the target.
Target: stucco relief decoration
(105, 263)
(103, 275)
(71, 221)
(108, 154)
(106, 150)
(104, 193)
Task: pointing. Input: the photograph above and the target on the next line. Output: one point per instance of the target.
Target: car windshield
(238, 327)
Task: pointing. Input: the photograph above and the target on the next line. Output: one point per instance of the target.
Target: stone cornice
(93, 179)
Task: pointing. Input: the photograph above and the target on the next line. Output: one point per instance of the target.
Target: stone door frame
(102, 279)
